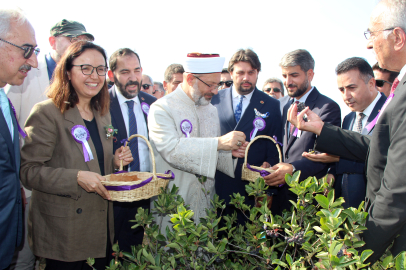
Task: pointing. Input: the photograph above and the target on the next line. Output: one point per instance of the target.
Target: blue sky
(163, 32)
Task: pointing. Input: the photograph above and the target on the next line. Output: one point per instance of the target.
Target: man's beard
(122, 88)
(245, 91)
(300, 89)
(198, 98)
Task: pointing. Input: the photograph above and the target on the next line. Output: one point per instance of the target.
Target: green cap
(69, 29)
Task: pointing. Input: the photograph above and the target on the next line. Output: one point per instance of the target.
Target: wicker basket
(252, 175)
(135, 186)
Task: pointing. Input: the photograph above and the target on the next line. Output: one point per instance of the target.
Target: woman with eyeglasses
(65, 154)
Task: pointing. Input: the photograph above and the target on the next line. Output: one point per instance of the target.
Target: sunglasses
(28, 51)
(276, 90)
(227, 83)
(146, 86)
(380, 83)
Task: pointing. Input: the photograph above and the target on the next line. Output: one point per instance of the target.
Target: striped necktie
(5, 109)
(135, 164)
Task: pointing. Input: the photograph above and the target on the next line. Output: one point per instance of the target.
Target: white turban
(203, 63)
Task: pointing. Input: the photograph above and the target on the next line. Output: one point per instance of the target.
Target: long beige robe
(188, 157)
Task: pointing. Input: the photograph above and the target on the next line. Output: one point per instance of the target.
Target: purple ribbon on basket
(20, 130)
(263, 173)
(124, 140)
(276, 140)
(143, 183)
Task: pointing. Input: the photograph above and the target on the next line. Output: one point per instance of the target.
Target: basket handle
(264, 137)
(150, 150)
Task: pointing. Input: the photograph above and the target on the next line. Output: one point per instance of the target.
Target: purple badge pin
(186, 127)
(145, 108)
(82, 135)
(259, 124)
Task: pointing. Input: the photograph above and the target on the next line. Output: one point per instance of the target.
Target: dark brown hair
(61, 90)
(248, 56)
(120, 53)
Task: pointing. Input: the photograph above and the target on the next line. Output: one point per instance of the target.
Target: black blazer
(11, 221)
(260, 151)
(385, 153)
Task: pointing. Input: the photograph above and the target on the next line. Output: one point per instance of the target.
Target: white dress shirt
(236, 100)
(367, 113)
(303, 100)
(143, 150)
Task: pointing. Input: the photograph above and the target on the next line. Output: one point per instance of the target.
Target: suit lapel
(73, 117)
(116, 115)
(352, 121)
(227, 108)
(5, 132)
(103, 121)
(373, 114)
(249, 114)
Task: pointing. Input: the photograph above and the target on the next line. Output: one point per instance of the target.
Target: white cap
(203, 63)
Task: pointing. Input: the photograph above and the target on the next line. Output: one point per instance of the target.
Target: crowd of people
(58, 110)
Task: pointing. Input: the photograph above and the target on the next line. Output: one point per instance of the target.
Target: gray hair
(7, 15)
(272, 80)
(150, 79)
(172, 69)
(393, 15)
(160, 86)
(298, 57)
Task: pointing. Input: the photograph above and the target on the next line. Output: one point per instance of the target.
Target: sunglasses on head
(380, 83)
(276, 90)
(227, 83)
(146, 86)
(28, 51)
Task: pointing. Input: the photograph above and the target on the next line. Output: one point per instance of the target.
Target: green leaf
(174, 245)
(323, 201)
(387, 261)
(347, 263)
(279, 262)
(148, 256)
(400, 261)
(289, 259)
(330, 197)
(358, 244)
(365, 254)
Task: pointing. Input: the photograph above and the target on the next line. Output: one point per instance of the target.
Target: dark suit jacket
(65, 222)
(293, 148)
(260, 151)
(124, 211)
(354, 169)
(385, 162)
(11, 221)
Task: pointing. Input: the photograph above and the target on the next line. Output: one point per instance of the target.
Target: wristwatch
(294, 169)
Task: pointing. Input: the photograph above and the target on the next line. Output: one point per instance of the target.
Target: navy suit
(293, 147)
(11, 217)
(350, 177)
(125, 211)
(260, 151)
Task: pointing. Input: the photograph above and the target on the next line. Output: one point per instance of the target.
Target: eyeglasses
(88, 69)
(209, 85)
(28, 51)
(368, 33)
(380, 83)
(276, 90)
(146, 86)
(227, 83)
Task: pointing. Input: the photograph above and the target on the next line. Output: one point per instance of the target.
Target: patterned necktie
(292, 126)
(5, 108)
(238, 110)
(135, 164)
(360, 116)
(394, 85)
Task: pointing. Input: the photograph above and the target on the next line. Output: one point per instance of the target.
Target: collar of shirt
(51, 65)
(304, 97)
(371, 106)
(122, 99)
(235, 95)
(402, 73)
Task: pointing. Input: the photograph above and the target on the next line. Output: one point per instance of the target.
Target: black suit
(125, 211)
(260, 151)
(350, 180)
(293, 147)
(11, 218)
(385, 162)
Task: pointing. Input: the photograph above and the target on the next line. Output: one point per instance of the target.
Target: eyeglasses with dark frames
(275, 89)
(209, 85)
(28, 51)
(368, 33)
(88, 69)
(380, 83)
(227, 83)
(146, 86)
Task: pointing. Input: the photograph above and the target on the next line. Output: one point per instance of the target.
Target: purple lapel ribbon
(20, 130)
(143, 183)
(263, 173)
(276, 140)
(373, 122)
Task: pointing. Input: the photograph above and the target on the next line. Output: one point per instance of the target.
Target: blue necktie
(238, 110)
(135, 164)
(5, 108)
